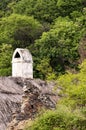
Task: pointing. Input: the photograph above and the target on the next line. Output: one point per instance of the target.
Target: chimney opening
(17, 55)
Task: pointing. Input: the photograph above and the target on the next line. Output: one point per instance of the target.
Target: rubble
(21, 99)
(37, 94)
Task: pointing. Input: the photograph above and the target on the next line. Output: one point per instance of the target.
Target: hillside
(53, 31)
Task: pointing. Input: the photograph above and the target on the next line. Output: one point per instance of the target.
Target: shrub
(63, 118)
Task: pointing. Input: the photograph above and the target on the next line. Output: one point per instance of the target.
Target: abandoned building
(22, 63)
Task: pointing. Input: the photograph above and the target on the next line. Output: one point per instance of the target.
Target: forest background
(54, 31)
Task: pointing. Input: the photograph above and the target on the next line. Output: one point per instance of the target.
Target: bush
(61, 119)
(74, 87)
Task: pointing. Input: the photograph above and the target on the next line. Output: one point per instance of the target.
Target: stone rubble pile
(37, 94)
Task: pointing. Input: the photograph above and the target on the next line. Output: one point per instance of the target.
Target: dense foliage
(60, 44)
(51, 29)
(19, 31)
(74, 87)
(5, 59)
(48, 10)
(61, 119)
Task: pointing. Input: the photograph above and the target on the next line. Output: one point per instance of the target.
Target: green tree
(5, 59)
(18, 30)
(44, 70)
(66, 7)
(48, 10)
(60, 44)
(42, 10)
(4, 8)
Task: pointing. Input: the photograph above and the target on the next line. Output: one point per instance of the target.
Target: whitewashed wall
(23, 66)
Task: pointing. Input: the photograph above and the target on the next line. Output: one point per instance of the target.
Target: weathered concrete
(22, 63)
